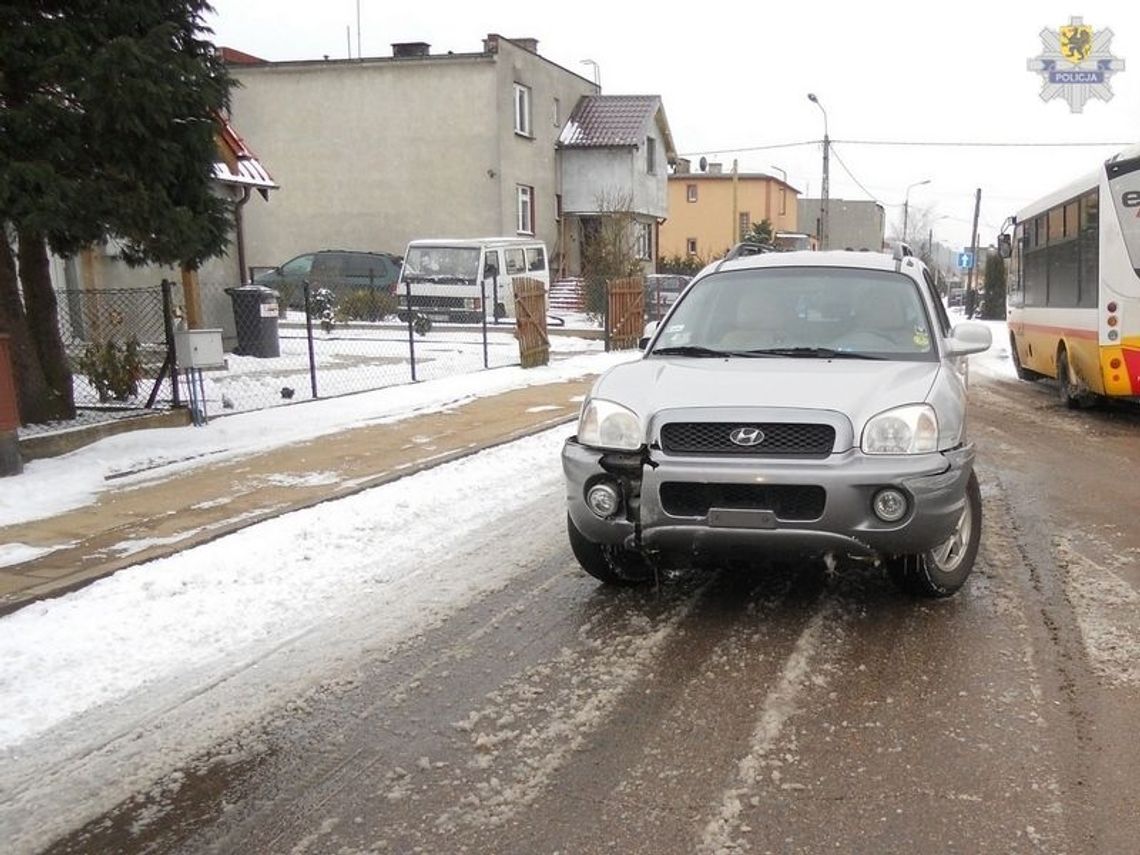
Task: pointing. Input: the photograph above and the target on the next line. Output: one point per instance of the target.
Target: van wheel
(611, 565)
(1022, 372)
(500, 311)
(941, 571)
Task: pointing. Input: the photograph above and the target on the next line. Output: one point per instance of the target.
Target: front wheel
(611, 565)
(941, 571)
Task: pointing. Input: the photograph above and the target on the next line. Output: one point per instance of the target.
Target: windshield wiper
(690, 350)
(811, 353)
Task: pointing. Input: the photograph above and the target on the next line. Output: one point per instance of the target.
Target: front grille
(787, 501)
(779, 438)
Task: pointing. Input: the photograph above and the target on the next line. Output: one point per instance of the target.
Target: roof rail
(748, 248)
(902, 250)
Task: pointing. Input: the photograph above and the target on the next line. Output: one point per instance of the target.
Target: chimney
(491, 43)
(716, 168)
(683, 166)
(527, 44)
(404, 50)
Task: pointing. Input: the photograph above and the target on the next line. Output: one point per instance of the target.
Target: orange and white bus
(1074, 284)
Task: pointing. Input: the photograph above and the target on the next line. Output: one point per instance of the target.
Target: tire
(941, 571)
(1071, 397)
(500, 311)
(610, 565)
(1022, 373)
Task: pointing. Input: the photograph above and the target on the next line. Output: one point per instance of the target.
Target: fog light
(890, 505)
(603, 499)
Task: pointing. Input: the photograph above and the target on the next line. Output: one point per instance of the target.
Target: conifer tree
(107, 122)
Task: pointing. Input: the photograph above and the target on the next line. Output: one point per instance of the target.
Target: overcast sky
(737, 76)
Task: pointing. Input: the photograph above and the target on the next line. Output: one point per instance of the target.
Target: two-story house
(374, 152)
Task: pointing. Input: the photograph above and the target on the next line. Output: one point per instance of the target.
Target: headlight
(912, 429)
(604, 424)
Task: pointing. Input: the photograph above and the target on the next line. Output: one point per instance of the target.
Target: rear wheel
(941, 571)
(1071, 395)
(612, 565)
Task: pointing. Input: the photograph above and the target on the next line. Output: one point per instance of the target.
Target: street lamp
(906, 205)
(823, 224)
(597, 72)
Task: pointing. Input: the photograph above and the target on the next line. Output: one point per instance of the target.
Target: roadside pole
(974, 244)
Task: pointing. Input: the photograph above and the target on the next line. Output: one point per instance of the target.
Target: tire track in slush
(800, 672)
(529, 757)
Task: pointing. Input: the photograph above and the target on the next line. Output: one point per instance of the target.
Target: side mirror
(1005, 246)
(646, 334)
(969, 337)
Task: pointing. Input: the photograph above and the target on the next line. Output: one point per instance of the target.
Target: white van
(461, 280)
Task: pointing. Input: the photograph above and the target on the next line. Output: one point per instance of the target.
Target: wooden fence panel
(530, 317)
(626, 315)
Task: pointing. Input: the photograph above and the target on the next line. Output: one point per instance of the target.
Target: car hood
(856, 388)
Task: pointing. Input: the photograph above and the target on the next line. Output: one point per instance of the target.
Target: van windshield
(441, 264)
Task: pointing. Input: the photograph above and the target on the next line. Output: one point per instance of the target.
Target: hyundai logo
(747, 436)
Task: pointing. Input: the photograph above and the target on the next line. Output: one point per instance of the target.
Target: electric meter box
(199, 349)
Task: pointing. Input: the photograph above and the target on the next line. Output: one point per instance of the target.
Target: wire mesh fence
(279, 349)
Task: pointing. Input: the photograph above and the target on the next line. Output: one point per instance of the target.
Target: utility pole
(823, 208)
(974, 245)
(736, 236)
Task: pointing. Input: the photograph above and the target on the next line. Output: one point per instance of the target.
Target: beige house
(711, 211)
(372, 153)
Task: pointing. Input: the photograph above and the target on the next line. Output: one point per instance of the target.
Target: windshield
(808, 312)
(441, 263)
(1124, 187)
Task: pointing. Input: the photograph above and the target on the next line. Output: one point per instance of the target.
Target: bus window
(1090, 250)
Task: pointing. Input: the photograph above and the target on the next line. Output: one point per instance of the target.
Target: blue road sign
(966, 260)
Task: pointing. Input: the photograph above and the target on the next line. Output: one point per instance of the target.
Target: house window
(556, 113)
(690, 192)
(650, 155)
(745, 224)
(525, 209)
(522, 110)
(644, 241)
(691, 246)
(783, 201)
(558, 207)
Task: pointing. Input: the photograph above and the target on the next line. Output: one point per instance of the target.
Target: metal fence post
(309, 336)
(606, 313)
(411, 332)
(168, 328)
(483, 303)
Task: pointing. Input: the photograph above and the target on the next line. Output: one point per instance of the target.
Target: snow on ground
(995, 362)
(206, 607)
(53, 486)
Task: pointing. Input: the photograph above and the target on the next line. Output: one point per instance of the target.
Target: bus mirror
(1005, 246)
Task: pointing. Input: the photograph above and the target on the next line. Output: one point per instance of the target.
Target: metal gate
(530, 316)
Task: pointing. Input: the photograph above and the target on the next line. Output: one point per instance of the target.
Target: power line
(918, 143)
(851, 175)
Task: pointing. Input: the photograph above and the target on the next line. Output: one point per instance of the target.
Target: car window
(363, 265)
(491, 263)
(328, 264)
(516, 261)
(871, 312)
(535, 259)
(299, 266)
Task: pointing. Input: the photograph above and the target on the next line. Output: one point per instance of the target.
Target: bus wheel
(1071, 396)
(1022, 372)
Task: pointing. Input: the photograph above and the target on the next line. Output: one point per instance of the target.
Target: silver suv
(803, 402)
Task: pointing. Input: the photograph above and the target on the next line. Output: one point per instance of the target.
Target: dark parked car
(342, 272)
(661, 292)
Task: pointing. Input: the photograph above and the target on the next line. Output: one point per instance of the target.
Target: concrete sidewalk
(167, 515)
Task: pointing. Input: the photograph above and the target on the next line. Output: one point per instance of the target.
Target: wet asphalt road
(783, 710)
